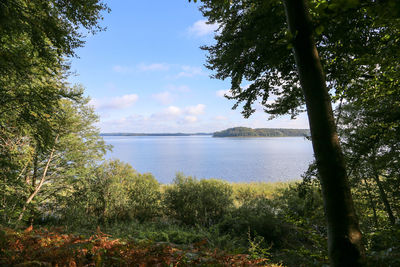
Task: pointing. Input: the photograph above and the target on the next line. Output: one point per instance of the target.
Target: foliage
(248, 132)
(299, 52)
(257, 217)
(202, 202)
(244, 192)
(48, 177)
(281, 222)
(114, 191)
(253, 46)
(51, 152)
(145, 197)
(44, 247)
(36, 37)
(370, 134)
(369, 129)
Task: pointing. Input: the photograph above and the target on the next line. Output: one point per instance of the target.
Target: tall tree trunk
(372, 203)
(382, 192)
(383, 196)
(344, 235)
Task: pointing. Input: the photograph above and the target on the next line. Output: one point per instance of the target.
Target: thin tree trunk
(372, 203)
(339, 112)
(382, 192)
(344, 235)
(384, 198)
(35, 169)
(42, 180)
(34, 178)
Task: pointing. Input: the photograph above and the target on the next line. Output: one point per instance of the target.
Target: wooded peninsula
(261, 132)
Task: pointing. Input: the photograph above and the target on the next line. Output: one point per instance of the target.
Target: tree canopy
(304, 54)
(36, 39)
(254, 46)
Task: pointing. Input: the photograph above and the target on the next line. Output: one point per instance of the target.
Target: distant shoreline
(272, 136)
(261, 132)
(155, 134)
(238, 132)
(211, 135)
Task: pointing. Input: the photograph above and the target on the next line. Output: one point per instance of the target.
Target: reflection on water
(232, 159)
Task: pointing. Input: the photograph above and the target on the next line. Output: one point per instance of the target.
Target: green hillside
(261, 132)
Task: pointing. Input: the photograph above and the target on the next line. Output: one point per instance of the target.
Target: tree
(53, 172)
(344, 236)
(36, 38)
(370, 134)
(274, 46)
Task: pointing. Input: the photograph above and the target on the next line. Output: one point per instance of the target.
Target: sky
(145, 73)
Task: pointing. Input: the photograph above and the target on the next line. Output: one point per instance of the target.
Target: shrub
(203, 202)
(255, 216)
(144, 197)
(114, 191)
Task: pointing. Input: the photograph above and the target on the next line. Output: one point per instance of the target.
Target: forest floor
(54, 247)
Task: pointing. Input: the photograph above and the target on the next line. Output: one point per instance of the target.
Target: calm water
(232, 159)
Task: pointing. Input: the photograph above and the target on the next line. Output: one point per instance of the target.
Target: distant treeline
(153, 134)
(231, 132)
(261, 132)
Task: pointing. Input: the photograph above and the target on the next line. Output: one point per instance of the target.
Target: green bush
(114, 191)
(258, 217)
(198, 202)
(144, 197)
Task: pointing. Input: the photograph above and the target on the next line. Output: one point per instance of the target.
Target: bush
(257, 217)
(144, 197)
(195, 202)
(114, 191)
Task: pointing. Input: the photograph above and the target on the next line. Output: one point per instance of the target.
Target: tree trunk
(344, 236)
(384, 198)
(382, 193)
(42, 180)
(372, 203)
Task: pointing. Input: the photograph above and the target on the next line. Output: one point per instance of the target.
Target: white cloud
(201, 28)
(122, 69)
(154, 67)
(141, 67)
(190, 71)
(174, 114)
(164, 98)
(195, 110)
(119, 102)
(190, 119)
(176, 119)
(168, 114)
(172, 111)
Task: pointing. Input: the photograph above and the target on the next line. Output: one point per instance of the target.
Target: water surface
(232, 159)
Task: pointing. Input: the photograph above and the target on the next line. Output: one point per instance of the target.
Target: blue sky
(145, 73)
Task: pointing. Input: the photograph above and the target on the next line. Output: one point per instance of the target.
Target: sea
(249, 159)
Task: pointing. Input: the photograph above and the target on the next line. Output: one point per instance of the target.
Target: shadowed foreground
(54, 248)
